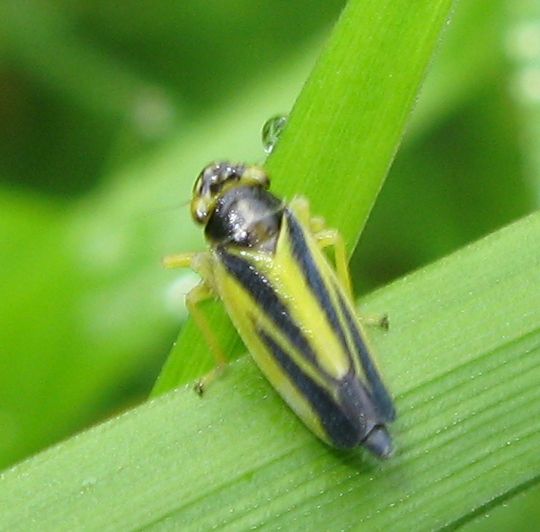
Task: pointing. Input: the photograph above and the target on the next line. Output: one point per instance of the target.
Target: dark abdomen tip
(378, 441)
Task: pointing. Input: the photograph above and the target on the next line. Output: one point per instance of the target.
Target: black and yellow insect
(293, 311)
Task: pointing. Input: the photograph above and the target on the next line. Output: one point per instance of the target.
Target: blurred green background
(109, 110)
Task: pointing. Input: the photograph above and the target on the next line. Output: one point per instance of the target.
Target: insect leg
(179, 260)
(300, 205)
(198, 294)
(200, 262)
(332, 237)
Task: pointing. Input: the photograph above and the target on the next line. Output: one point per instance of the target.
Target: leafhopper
(292, 308)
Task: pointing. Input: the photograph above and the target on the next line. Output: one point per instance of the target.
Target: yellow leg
(203, 291)
(300, 206)
(200, 293)
(332, 237)
(179, 260)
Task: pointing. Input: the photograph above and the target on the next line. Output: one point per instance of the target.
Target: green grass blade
(462, 358)
(515, 510)
(342, 136)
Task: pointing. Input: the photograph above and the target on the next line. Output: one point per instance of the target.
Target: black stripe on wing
(345, 422)
(380, 395)
(260, 288)
(320, 291)
(304, 258)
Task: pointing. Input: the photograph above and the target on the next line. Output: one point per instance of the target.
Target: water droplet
(272, 130)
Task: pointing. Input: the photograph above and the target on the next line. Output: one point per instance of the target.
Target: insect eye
(197, 187)
(215, 187)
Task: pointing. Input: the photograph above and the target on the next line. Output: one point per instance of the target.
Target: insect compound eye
(215, 176)
(197, 187)
(215, 184)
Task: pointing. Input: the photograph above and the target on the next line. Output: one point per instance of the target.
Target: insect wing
(300, 328)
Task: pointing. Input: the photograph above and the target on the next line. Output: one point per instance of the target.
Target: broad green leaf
(462, 359)
(342, 136)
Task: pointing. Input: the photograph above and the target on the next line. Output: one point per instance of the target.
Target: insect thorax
(246, 216)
